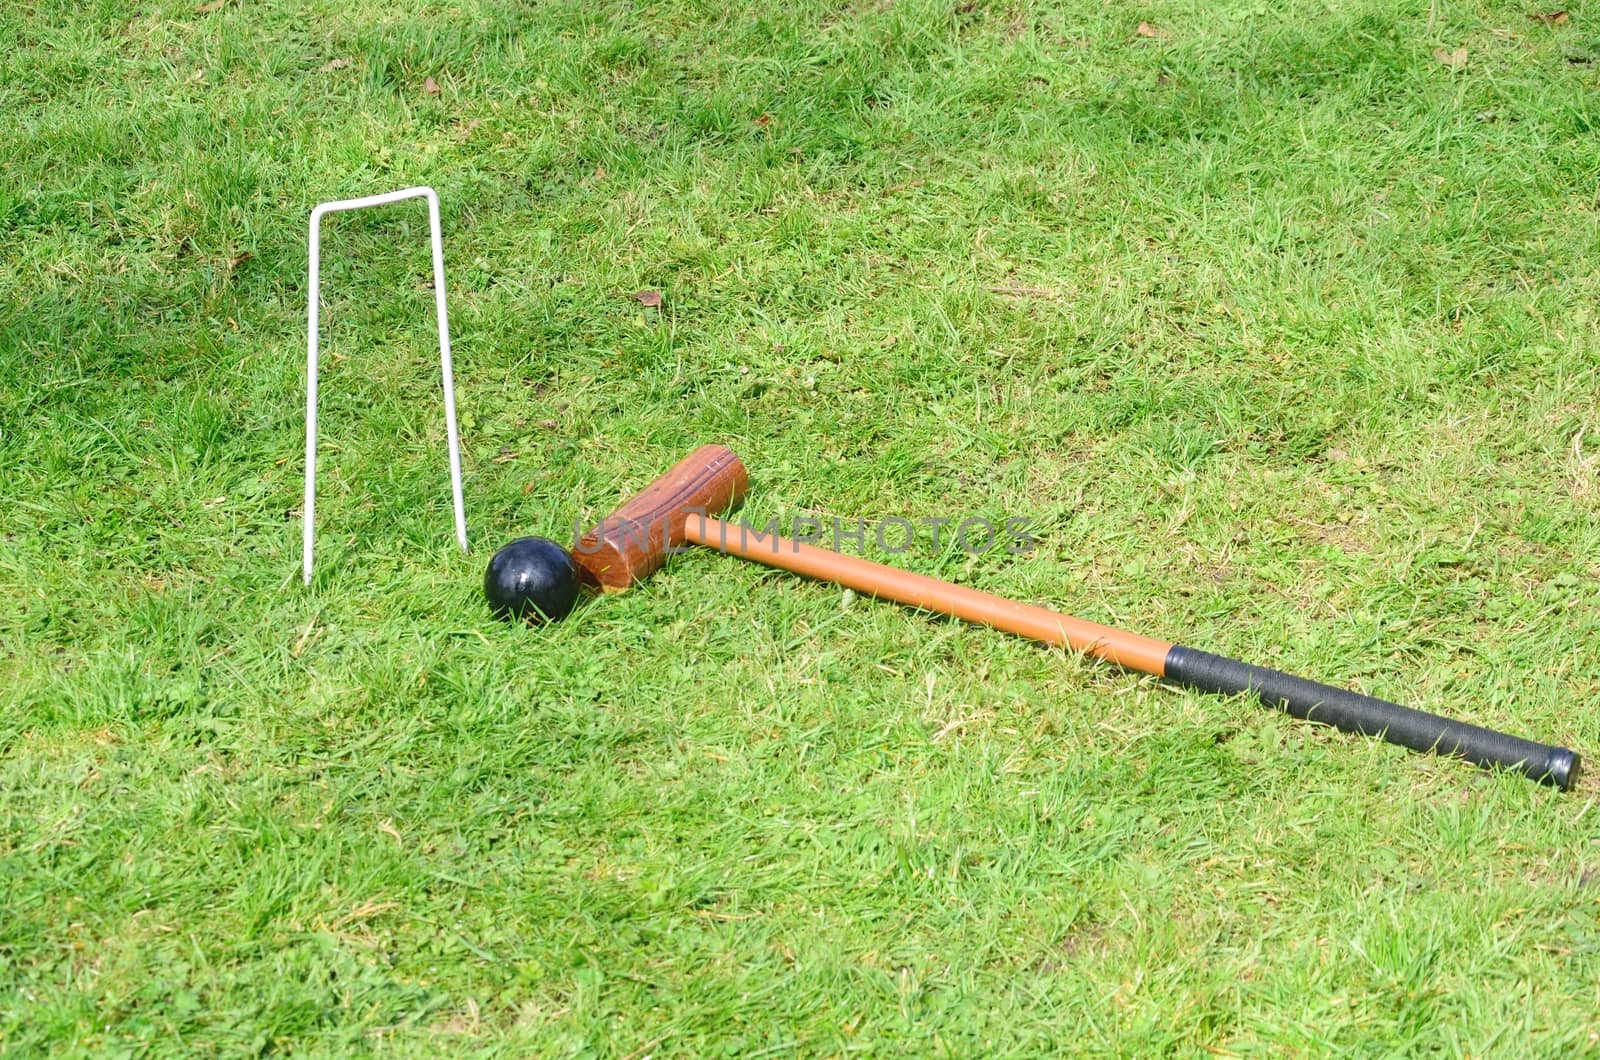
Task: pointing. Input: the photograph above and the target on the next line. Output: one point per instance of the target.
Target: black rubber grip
(1354, 712)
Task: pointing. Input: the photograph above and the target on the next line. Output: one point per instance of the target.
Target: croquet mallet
(680, 507)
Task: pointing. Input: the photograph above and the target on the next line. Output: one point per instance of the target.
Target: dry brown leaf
(214, 5)
(430, 87)
(1551, 18)
(334, 64)
(1455, 60)
(1153, 32)
(649, 299)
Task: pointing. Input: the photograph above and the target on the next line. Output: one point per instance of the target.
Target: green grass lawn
(1277, 320)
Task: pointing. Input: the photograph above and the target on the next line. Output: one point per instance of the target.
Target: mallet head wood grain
(678, 508)
(632, 542)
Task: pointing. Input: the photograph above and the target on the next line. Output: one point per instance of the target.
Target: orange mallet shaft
(1118, 646)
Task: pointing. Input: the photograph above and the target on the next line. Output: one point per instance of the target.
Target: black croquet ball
(532, 578)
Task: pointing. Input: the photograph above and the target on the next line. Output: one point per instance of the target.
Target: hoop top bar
(341, 205)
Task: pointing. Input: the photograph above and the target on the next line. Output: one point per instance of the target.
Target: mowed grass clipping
(1277, 321)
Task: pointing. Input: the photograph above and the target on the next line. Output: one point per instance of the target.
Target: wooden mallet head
(633, 541)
